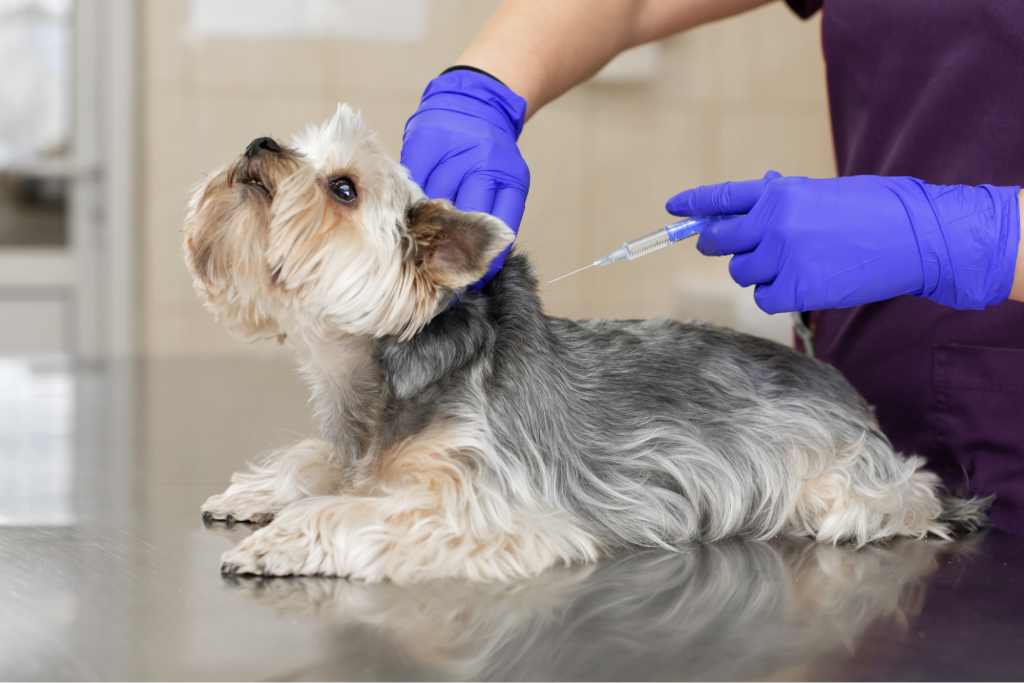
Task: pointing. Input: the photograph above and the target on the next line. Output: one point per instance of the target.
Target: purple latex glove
(816, 244)
(460, 145)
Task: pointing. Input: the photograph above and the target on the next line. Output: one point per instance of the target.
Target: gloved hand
(460, 145)
(816, 244)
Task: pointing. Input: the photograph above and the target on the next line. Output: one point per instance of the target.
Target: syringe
(688, 227)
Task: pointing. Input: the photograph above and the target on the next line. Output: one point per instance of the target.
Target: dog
(468, 435)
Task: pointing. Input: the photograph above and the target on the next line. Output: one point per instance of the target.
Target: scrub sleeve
(933, 89)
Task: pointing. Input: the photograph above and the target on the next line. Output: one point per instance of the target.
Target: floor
(108, 572)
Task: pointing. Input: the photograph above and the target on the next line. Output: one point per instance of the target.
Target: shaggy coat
(468, 434)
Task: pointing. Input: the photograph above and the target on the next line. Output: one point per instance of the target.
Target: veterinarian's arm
(460, 144)
(541, 49)
(815, 244)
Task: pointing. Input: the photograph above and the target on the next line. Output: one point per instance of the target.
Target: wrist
(1017, 291)
(515, 66)
(476, 70)
(476, 92)
(968, 238)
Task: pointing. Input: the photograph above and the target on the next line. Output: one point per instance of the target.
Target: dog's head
(330, 236)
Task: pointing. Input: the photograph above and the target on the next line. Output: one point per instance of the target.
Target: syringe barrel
(688, 227)
(647, 243)
(658, 239)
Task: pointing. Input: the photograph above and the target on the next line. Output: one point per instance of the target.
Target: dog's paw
(285, 548)
(236, 505)
(232, 532)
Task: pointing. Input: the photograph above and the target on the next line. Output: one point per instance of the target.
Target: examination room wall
(727, 101)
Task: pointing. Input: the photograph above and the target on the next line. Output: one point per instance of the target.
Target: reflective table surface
(108, 572)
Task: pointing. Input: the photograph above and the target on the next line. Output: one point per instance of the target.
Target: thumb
(774, 298)
(724, 198)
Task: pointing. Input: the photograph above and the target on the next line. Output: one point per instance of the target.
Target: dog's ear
(454, 248)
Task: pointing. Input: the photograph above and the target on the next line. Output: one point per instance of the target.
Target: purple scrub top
(933, 89)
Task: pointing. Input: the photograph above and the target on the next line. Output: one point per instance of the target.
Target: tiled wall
(731, 100)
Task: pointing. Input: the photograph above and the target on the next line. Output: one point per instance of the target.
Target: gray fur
(649, 432)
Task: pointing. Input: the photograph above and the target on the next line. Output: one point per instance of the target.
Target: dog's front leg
(309, 468)
(406, 537)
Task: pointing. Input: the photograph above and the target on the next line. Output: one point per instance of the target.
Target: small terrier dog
(467, 434)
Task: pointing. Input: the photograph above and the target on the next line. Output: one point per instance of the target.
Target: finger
(724, 198)
(476, 193)
(774, 298)
(509, 205)
(783, 295)
(444, 181)
(731, 236)
(753, 269)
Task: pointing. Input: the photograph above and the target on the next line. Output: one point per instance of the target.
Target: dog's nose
(260, 144)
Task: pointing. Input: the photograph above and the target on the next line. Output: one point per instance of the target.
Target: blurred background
(110, 110)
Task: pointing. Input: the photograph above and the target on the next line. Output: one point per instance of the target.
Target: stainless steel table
(107, 571)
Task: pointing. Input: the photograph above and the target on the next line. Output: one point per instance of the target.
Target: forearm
(1017, 293)
(540, 49)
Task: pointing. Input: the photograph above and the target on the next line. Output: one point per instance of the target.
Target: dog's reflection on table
(730, 610)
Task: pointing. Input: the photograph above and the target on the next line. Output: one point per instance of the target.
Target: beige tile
(553, 145)
(168, 172)
(386, 116)
(273, 68)
(794, 143)
(389, 66)
(162, 25)
(637, 159)
(469, 16)
(765, 56)
(190, 330)
(222, 126)
(688, 65)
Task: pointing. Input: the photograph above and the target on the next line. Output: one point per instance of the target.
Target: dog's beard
(226, 256)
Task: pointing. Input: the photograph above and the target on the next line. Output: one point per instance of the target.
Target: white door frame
(122, 148)
(95, 271)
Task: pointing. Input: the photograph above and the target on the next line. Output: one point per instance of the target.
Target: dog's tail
(965, 514)
(882, 502)
(944, 514)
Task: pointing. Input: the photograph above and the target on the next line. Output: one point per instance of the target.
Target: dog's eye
(344, 189)
(256, 183)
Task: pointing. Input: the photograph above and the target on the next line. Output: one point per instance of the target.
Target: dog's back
(659, 432)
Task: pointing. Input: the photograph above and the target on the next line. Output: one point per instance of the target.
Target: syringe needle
(567, 275)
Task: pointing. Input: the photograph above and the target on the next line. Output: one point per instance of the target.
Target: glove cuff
(476, 93)
(467, 67)
(968, 238)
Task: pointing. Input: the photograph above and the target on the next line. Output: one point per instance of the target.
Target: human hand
(460, 145)
(816, 244)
